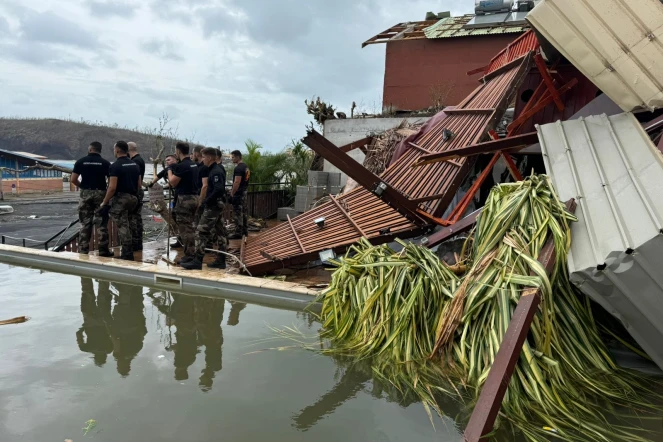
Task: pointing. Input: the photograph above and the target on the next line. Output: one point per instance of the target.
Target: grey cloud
(111, 8)
(40, 54)
(48, 27)
(177, 10)
(162, 48)
(4, 26)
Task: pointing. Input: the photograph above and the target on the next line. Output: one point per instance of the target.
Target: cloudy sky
(223, 70)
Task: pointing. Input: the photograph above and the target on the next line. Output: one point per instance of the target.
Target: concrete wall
(420, 72)
(342, 132)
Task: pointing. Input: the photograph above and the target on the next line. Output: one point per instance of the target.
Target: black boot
(138, 247)
(219, 263)
(106, 253)
(195, 264)
(127, 257)
(184, 259)
(235, 236)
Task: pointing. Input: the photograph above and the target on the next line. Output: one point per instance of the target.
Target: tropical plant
(408, 309)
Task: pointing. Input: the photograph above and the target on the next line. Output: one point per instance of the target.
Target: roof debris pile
(383, 146)
(428, 189)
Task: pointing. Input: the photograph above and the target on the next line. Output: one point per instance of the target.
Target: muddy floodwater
(126, 363)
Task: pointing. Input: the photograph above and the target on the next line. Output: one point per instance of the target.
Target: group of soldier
(198, 180)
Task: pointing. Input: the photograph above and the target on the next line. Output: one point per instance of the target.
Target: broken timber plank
(359, 144)
(493, 391)
(363, 176)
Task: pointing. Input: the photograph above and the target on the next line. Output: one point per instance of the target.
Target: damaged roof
(616, 44)
(430, 188)
(445, 28)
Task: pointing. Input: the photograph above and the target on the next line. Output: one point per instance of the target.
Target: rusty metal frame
(511, 144)
(492, 394)
(461, 226)
(347, 215)
(547, 79)
(363, 176)
(544, 101)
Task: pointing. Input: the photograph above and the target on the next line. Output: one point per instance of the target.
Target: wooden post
(492, 394)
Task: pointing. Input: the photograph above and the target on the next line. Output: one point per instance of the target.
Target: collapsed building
(582, 91)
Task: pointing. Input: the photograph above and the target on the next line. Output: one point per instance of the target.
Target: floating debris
(89, 426)
(18, 320)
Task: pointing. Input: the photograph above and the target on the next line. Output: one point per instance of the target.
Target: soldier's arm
(173, 179)
(203, 190)
(236, 182)
(112, 187)
(75, 179)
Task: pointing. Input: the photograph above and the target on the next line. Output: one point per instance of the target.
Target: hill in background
(69, 140)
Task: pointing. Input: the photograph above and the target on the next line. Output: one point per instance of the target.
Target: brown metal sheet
(375, 217)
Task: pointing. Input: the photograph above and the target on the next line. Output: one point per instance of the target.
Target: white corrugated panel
(615, 43)
(616, 174)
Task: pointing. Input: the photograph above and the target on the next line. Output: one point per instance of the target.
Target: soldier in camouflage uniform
(89, 202)
(90, 173)
(135, 218)
(211, 221)
(241, 177)
(122, 189)
(182, 177)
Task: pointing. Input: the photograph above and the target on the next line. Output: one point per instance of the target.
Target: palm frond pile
(408, 309)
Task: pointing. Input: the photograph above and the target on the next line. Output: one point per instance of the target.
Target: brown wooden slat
(347, 215)
(294, 232)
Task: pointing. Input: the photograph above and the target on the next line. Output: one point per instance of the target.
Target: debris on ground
(18, 320)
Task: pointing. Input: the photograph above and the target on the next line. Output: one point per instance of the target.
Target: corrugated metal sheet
(453, 27)
(610, 165)
(520, 46)
(615, 43)
(469, 123)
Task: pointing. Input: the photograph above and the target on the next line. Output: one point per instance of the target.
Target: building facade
(31, 180)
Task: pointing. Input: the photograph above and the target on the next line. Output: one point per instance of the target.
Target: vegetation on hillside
(69, 139)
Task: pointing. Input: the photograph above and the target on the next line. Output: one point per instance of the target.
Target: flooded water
(130, 364)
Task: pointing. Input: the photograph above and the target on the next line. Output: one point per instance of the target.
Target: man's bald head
(133, 147)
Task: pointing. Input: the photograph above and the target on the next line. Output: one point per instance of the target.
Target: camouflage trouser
(185, 211)
(136, 221)
(89, 203)
(240, 212)
(121, 206)
(211, 225)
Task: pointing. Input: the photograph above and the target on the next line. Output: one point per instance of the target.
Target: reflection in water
(94, 335)
(197, 321)
(120, 332)
(352, 382)
(128, 329)
(235, 308)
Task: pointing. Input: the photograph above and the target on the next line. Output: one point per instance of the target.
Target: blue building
(33, 180)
